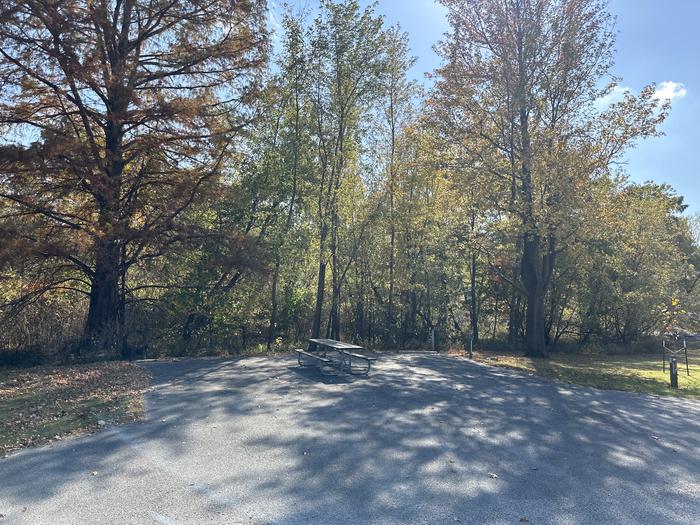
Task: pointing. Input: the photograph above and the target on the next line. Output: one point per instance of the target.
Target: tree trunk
(320, 288)
(392, 235)
(473, 302)
(318, 310)
(273, 307)
(532, 277)
(514, 317)
(360, 321)
(532, 266)
(102, 321)
(126, 350)
(536, 271)
(102, 325)
(335, 276)
(392, 247)
(495, 319)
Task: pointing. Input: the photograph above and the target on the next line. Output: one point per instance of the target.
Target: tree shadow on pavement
(423, 439)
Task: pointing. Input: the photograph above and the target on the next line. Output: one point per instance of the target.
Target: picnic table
(346, 352)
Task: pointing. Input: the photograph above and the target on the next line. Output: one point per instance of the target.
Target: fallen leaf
(524, 520)
(493, 476)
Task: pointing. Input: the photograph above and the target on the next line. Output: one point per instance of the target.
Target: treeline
(171, 182)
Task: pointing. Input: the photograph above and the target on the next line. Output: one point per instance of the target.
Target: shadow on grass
(632, 375)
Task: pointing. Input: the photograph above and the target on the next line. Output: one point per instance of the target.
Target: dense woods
(175, 180)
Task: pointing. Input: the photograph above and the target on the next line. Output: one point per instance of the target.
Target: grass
(633, 373)
(43, 404)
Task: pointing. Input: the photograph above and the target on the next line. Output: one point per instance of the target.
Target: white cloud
(666, 90)
(670, 90)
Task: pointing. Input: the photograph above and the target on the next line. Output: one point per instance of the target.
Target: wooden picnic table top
(336, 345)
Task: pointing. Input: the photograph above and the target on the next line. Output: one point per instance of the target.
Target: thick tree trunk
(102, 322)
(531, 271)
(536, 271)
(534, 325)
(103, 326)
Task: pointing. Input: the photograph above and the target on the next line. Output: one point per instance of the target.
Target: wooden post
(673, 367)
(685, 349)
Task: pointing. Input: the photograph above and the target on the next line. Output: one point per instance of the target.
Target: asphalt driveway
(425, 439)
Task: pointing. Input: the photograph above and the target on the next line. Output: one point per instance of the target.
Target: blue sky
(658, 41)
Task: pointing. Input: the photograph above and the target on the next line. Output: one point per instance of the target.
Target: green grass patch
(633, 373)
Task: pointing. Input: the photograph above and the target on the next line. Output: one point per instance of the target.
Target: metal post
(471, 347)
(673, 367)
(432, 338)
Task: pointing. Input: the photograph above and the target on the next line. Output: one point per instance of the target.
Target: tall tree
(399, 94)
(348, 57)
(523, 77)
(121, 113)
(293, 95)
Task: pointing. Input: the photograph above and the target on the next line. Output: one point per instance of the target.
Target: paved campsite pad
(424, 439)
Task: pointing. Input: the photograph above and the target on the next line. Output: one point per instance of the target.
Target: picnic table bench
(346, 353)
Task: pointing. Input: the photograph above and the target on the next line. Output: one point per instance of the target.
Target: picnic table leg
(341, 363)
